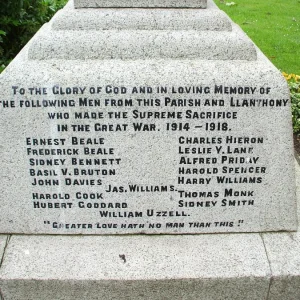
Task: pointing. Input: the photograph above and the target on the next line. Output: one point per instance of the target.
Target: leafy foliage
(294, 85)
(19, 21)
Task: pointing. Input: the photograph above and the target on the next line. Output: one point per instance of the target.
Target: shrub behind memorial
(19, 20)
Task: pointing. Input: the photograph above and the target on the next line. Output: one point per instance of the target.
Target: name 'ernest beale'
(61, 141)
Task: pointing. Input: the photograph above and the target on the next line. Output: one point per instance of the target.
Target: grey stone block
(283, 251)
(133, 45)
(275, 209)
(174, 66)
(141, 19)
(206, 267)
(141, 3)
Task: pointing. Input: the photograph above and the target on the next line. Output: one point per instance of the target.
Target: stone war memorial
(146, 153)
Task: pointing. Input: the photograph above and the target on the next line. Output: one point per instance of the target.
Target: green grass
(273, 25)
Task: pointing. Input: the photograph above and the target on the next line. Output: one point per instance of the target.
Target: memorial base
(165, 50)
(213, 266)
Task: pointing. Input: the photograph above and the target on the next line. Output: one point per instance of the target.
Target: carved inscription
(144, 158)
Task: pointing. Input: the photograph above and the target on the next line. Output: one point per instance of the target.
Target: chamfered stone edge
(136, 44)
(283, 251)
(140, 3)
(141, 19)
(139, 267)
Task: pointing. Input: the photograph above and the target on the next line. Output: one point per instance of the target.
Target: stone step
(139, 44)
(136, 267)
(140, 3)
(141, 19)
(224, 266)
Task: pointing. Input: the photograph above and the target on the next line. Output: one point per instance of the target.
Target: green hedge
(19, 21)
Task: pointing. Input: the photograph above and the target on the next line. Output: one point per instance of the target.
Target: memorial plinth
(122, 118)
(140, 3)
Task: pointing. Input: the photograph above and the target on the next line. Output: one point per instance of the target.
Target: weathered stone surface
(141, 267)
(136, 44)
(283, 250)
(141, 19)
(141, 3)
(109, 133)
(146, 160)
(69, 91)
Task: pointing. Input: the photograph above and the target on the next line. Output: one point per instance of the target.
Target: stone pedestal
(145, 120)
(135, 267)
(207, 267)
(160, 121)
